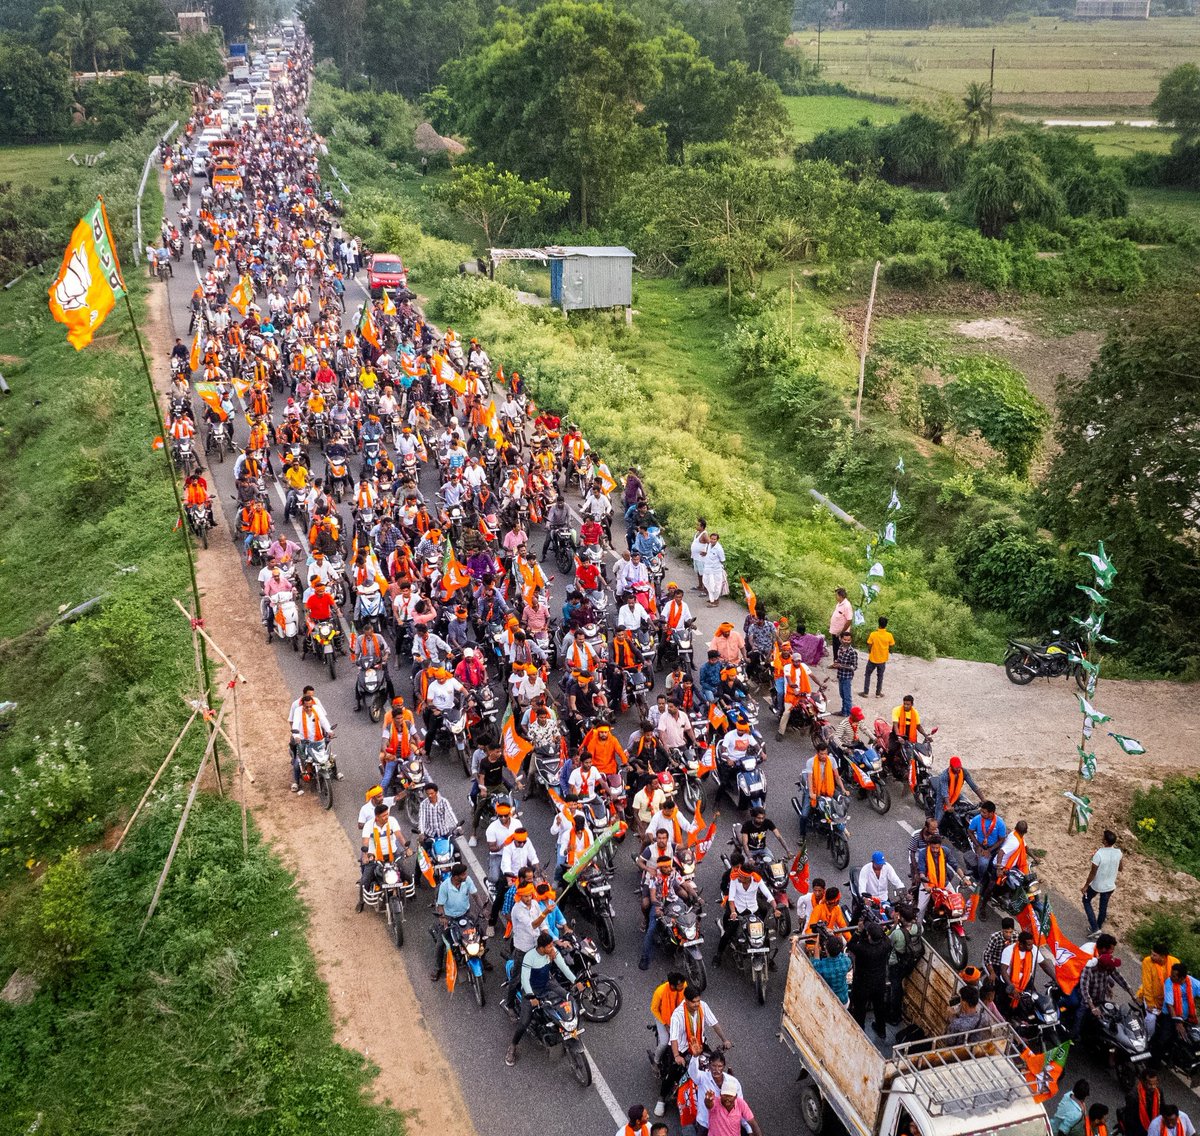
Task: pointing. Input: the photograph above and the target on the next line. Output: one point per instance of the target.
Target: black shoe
(716, 960)
(359, 905)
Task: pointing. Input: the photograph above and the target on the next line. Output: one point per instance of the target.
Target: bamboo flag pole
(862, 355)
(187, 810)
(154, 781)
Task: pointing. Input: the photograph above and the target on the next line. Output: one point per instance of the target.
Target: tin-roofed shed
(590, 276)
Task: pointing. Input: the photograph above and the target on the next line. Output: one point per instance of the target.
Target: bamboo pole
(154, 781)
(187, 810)
(237, 674)
(862, 355)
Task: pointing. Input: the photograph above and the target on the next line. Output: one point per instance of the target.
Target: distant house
(192, 23)
(1112, 9)
(590, 276)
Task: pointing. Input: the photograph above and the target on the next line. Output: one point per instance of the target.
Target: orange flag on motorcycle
(1027, 922)
(389, 309)
(697, 825)
(798, 873)
(194, 354)
(514, 747)
(425, 867)
(751, 598)
(211, 397)
(241, 296)
(451, 377)
(367, 328)
(451, 962)
(1069, 960)
(973, 907)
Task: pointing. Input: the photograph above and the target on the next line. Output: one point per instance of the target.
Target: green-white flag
(1083, 810)
(1103, 567)
(1090, 711)
(1131, 746)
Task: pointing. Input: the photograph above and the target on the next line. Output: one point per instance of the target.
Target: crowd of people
(435, 582)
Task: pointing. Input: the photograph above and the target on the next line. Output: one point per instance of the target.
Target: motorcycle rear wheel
(760, 985)
(579, 1062)
(783, 924)
(375, 712)
(325, 790)
(839, 848)
(601, 1001)
(564, 560)
(697, 973)
(412, 810)
(1081, 681)
(465, 758)
(396, 921)
(1018, 673)
(956, 949)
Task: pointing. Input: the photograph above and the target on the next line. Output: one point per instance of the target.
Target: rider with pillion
(747, 895)
(536, 983)
(382, 840)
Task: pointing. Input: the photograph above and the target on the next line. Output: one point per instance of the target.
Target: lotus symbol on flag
(72, 290)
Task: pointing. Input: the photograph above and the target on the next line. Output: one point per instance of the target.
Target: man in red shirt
(321, 606)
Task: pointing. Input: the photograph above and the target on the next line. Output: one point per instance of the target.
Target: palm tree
(977, 111)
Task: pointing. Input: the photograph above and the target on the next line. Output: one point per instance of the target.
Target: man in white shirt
(690, 1023)
(383, 841)
(1172, 1122)
(585, 777)
(877, 878)
(518, 853)
(670, 820)
(673, 728)
(374, 797)
(309, 723)
(747, 895)
(713, 1080)
(439, 698)
(497, 834)
(1101, 881)
(632, 615)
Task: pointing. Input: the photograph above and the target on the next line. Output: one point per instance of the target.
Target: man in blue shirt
(710, 676)
(454, 901)
(987, 832)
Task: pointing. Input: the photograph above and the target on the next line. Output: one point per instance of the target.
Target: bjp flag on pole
(89, 283)
(367, 328)
(194, 354)
(241, 296)
(212, 398)
(751, 598)
(514, 747)
(452, 378)
(1069, 960)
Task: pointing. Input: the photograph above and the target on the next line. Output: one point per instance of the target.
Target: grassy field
(40, 166)
(1042, 65)
(1123, 141)
(810, 114)
(1180, 204)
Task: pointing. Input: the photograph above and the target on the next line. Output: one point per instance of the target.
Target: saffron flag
(1042, 1070)
(212, 397)
(89, 283)
(751, 599)
(798, 873)
(408, 364)
(452, 378)
(454, 577)
(241, 296)
(451, 961)
(1069, 960)
(424, 866)
(367, 328)
(514, 747)
(389, 309)
(194, 354)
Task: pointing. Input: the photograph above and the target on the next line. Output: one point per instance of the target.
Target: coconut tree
(977, 113)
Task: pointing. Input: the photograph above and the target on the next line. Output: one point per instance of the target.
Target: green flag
(572, 873)
(1093, 595)
(1103, 567)
(1090, 711)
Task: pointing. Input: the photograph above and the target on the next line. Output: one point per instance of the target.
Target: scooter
(740, 778)
(370, 687)
(829, 816)
(283, 619)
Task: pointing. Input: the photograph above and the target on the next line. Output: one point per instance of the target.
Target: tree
(492, 199)
(35, 94)
(922, 150)
(63, 930)
(1178, 101)
(989, 397)
(977, 111)
(1127, 472)
(558, 94)
(1006, 182)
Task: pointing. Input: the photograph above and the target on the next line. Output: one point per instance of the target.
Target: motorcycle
(829, 816)
(545, 766)
(283, 618)
(370, 687)
(554, 1022)
(337, 477)
(443, 856)
(752, 948)
(1036, 1020)
(218, 441)
(912, 763)
(678, 927)
(678, 647)
(1018, 891)
(946, 915)
(318, 764)
(200, 519)
(562, 544)
(482, 717)
(185, 457)
(260, 546)
(598, 816)
(407, 786)
(452, 725)
(370, 608)
(387, 893)
(689, 766)
(955, 823)
(740, 778)
(774, 873)
(1053, 658)
(1118, 1035)
(863, 767)
(593, 895)
(637, 685)
(600, 998)
(322, 641)
(463, 939)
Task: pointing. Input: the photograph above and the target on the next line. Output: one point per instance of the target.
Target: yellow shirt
(296, 476)
(1151, 989)
(881, 643)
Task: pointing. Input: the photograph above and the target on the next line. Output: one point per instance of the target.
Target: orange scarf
(1180, 987)
(935, 866)
(694, 1033)
(1145, 1115)
(955, 778)
(820, 779)
(1020, 978)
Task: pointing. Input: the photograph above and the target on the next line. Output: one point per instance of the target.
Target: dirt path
(391, 1032)
(1019, 742)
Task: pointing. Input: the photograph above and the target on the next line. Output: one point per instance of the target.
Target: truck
(967, 1084)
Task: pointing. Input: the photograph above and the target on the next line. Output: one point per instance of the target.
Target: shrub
(915, 270)
(1181, 935)
(1164, 818)
(62, 931)
(989, 397)
(39, 794)
(1105, 263)
(974, 257)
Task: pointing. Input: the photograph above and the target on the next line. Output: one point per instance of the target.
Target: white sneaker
(659, 1108)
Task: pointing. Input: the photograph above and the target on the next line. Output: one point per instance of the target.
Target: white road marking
(907, 827)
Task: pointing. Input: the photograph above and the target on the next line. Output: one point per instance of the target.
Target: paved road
(539, 1088)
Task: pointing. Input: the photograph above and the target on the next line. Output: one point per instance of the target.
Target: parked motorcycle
(1052, 658)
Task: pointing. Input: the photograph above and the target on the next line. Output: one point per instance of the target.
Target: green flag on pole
(573, 872)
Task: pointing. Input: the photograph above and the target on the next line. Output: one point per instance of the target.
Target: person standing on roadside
(879, 646)
(1101, 881)
(715, 582)
(699, 551)
(841, 620)
(845, 662)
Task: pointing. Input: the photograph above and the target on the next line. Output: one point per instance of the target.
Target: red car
(385, 273)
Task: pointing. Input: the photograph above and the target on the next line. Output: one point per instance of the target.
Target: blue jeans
(648, 939)
(778, 694)
(806, 808)
(1094, 924)
(846, 690)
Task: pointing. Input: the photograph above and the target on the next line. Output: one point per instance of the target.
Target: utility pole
(818, 47)
(862, 355)
(991, 91)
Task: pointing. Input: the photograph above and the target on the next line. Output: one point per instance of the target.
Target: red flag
(798, 873)
(705, 842)
(1069, 960)
(751, 599)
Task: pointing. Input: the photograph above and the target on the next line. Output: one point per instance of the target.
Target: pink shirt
(841, 618)
(728, 1122)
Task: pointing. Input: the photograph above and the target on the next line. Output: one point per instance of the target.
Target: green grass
(43, 166)
(1043, 65)
(1178, 204)
(1122, 141)
(810, 114)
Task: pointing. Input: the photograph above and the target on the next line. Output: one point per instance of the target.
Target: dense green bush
(989, 397)
(1180, 933)
(915, 270)
(1103, 263)
(1164, 818)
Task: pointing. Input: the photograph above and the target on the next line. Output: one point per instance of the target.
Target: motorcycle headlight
(689, 932)
(391, 877)
(473, 949)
